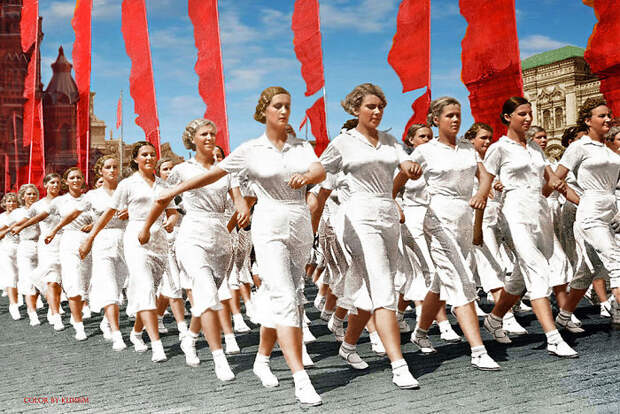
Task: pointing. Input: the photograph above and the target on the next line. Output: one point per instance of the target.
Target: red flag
(141, 83)
(303, 122)
(30, 104)
(119, 112)
(307, 42)
(420, 110)
(81, 54)
(411, 46)
(490, 57)
(16, 151)
(29, 23)
(36, 167)
(204, 17)
(603, 53)
(318, 125)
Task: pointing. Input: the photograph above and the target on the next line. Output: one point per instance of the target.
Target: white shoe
(512, 326)
(117, 341)
(222, 369)
(239, 324)
(105, 329)
(352, 358)
(307, 395)
(263, 372)
(39, 302)
(450, 336)
(403, 325)
(80, 335)
(562, 349)
(158, 354)
(57, 322)
(479, 312)
(160, 326)
(138, 342)
(575, 320)
(403, 379)
(484, 362)
(231, 346)
(305, 357)
(377, 346)
(424, 343)
(308, 337)
(14, 312)
(71, 320)
(499, 334)
(188, 346)
(606, 309)
(338, 331)
(34, 319)
(569, 325)
(86, 313)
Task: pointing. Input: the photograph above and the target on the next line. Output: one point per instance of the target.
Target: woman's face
(520, 119)
(146, 159)
(370, 111)
(53, 186)
(600, 121)
(30, 197)
(204, 139)
(278, 111)
(421, 136)
(165, 169)
(109, 171)
(541, 139)
(449, 121)
(614, 144)
(482, 141)
(11, 204)
(75, 181)
(219, 155)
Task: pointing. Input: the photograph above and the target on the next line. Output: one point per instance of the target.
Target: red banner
(141, 83)
(36, 167)
(29, 23)
(81, 55)
(603, 51)
(119, 112)
(318, 125)
(204, 17)
(490, 57)
(420, 110)
(307, 42)
(410, 55)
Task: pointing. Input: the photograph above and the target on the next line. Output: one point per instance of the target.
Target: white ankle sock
(478, 350)
(182, 326)
(553, 337)
(444, 326)
(301, 377)
(399, 364)
(348, 347)
(374, 337)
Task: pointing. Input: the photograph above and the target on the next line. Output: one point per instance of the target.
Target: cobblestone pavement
(37, 362)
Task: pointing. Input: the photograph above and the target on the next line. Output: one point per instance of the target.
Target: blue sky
(257, 47)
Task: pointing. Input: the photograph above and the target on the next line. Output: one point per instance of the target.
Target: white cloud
(186, 105)
(170, 39)
(533, 44)
(444, 9)
(370, 16)
(106, 9)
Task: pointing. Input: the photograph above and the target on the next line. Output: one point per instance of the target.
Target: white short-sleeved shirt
(67, 204)
(448, 171)
(210, 198)
(30, 232)
(415, 193)
(96, 203)
(7, 220)
(269, 169)
(595, 165)
(368, 169)
(516, 166)
(43, 206)
(135, 195)
(337, 184)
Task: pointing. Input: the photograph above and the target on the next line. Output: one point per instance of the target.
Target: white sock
(338, 322)
(182, 326)
(478, 350)
(418, 311)
(261, 359)
(398, 365)
(301, 377)
(444, 326)
(348, 347)
(374, 337)
(566, 315)
(553, 337)
(218, 354)
(117, 336)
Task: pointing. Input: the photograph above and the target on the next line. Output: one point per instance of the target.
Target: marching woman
(279, 167)
(146, 264)
(521, 167)
(47, 276)
(370, 235)
(203, 244)
(597, 168)
(450, 167)
(75, 273)
(27, 250)
(8, 255)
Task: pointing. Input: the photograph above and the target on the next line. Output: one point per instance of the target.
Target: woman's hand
(85, 247)
(297, 181)
(122, 214)
(16, 230)
(400, 213)
(169, 225)
(478, 202)
(557, 184)
(498, 186)
(412, 170)
(144, 236)
(87, 228)
(243, 215)
(50, 237)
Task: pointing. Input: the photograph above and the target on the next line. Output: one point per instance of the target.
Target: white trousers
(75, 272)
(109, 269)
(8, 264)
(27, 260)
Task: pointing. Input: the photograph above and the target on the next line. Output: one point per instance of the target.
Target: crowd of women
(426, 224)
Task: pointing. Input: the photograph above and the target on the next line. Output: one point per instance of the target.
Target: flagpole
(324, 81)
(121, 146)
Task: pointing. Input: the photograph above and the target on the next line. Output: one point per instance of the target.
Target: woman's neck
(149, 175)
(517, 137)
(367, 131)
(110, 186)
(276, 135)
(75, 193)
(447, 139)
(595, 136)
(205, 159)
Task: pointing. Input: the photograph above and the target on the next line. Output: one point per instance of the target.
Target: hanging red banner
(318, 125)
(204, 17)
(490, 57)
(141, 83)
(306, 27)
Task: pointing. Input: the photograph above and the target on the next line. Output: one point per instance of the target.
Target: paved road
(40, 363)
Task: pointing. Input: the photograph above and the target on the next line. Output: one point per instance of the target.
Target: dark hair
(69, 170)
(510, 105)
(585, 110)
(350, 124)
(411, 131)
(161, 162)
(221, 149)
(49, 177)
(134, 153)
(475, 128)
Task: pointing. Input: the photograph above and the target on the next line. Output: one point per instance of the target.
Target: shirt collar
(587, 140)
(360, 137)
(290, 142)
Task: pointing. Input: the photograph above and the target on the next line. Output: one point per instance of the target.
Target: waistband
(273, 201)
(376, 196)
(450, 197)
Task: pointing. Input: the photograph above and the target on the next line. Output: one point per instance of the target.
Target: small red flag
(490, 57)
(141, 83)
(119, 112)
(303, 122)
(318, 125)
(420, 110)
(29, 23)
(603, 52)
(307, 42)
(204, 17)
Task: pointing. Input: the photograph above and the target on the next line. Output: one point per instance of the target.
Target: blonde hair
(265, 99)
(353, 101)
(475, 128)
(6, 197)
(437, 106)
(413, 129)
(190, 131)
(100, 163)
(22, 192)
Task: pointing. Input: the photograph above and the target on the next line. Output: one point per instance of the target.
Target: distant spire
(62, 87)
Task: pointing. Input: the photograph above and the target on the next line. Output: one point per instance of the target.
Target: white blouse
(96, 203)
(43, 206)
(30, 232)
(67, 204)
(135, 194)
(368, 169)
(7, 220)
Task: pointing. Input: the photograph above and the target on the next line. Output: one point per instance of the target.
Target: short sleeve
(493, 159)
(330, 182)
(418, 156)
(401, 154)
(175, 176)
(331, 159)
(236, 160)
(572, 157)
(120, 200)
(309, 153)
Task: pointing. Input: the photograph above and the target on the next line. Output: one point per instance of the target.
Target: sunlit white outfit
(8, 254)
(48, 268)
(26, 252)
